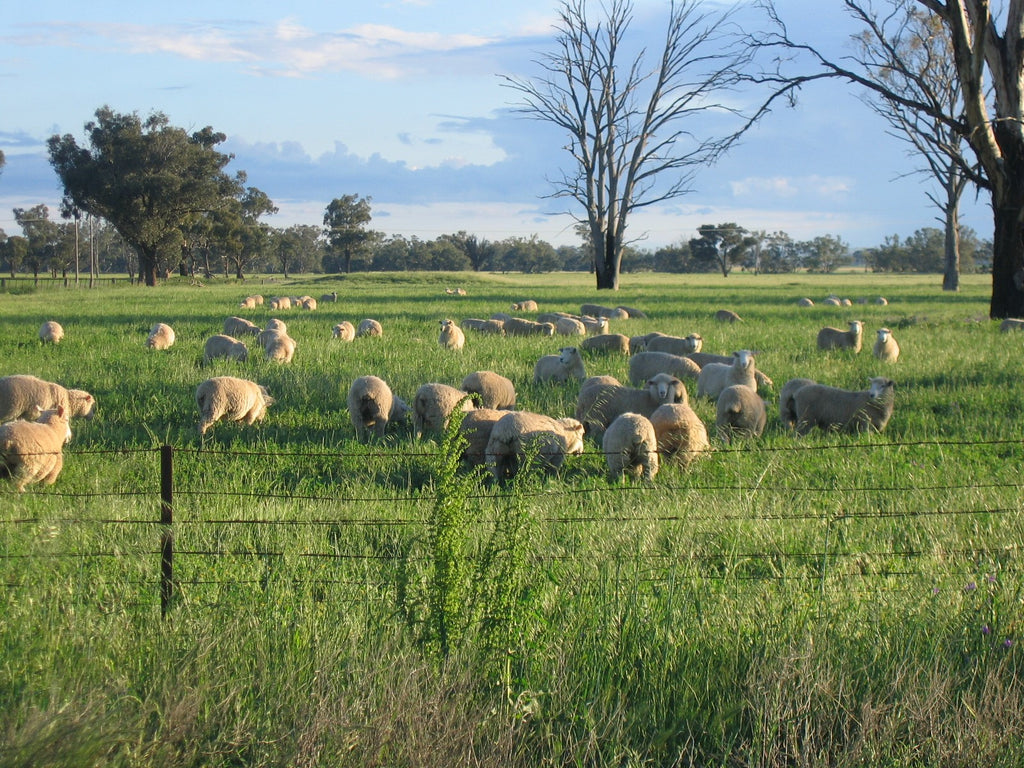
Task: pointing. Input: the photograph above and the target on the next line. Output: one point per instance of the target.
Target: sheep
(598, 404)
(476, 427)
(570, 326)
(682, 436)
(451, 336)
(26, 397)
(224, 346)
(32, 451)
(307, 302)
(434, 404)
(480, 325)
(369, 327)
(643, 365)
(675, 345)
(727, 316)
(805, 302)
(607, 343)
(161, 336)
(526, 305)
(740, 412)
(239, 326)
(831, 408)
(846, 302)
(714, 377)
(51, 332)
(764, 383)
(594, 325)
(249, 302)
(633, 312)
(597, 310)
(567, 364)
(1011, 324)
(495, 391)
(832, 301)
(329, 298)
(273, 324)
(234, 399)
(787, 403)
(372, 406)
(593, 381)
(503, 317)
(277, 346)
(833, 338)
(518, 326)
(886, 349)
(521, 434)
(344, 331)
(281, 302)
(630, 447)
(554, 317)
(881, 301)
(639, 343)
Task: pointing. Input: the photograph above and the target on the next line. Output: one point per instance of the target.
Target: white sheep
(495, 391)
(527, 305)
(274, 324)
(249, 302)
(26, 397)
(886, 348)
(518, 326)
(480, 325)
(567, 364)
(613, 343)
(277, 346)
(832, 301)
(434, 404)
(476, 427)
(599, 404)
(764, 383)
(503, 317)
(643, 365)
(331, 297)
(727, 316)
(805, 302)
(630, 447)
(675, 345)
(833, 338)
(881, 301)
(740, 412)
(239, 326)
(521, 434)
(594, 325)
(611, 313)
(223, 346)
(595, 381)
(372, 406)
(639, 343)
(234, 399)
(787, 402)
(161, 336)
(344, 331)
(451, 336)
(714, 377)
(570, 326)
(369, 327)
(281, 302)
(51, 332)
(682, 436)
(633, 312)
(307, 302)
(554, 317)
(831, 408)
(33, 451)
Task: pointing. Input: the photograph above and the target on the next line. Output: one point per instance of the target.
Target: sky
(405, 102)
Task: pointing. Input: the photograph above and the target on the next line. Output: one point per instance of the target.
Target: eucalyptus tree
(44, 237)
(724, 245)
(345, 223)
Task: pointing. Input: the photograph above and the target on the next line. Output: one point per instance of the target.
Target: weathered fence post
(166, 531)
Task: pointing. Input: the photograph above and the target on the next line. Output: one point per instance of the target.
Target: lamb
(727, 316)
(273, 324)
(682, 436)
(26, 397)
(518, 326)
(675, 345)
(570, 326)
(372, 406)
(451, 336)
(369, 327)
(32, 451)
(527, 305)
(886, 348)
(228, 347)
(567, 364)
(239, 326)
(476, 428)
(714, 377)
(161, 336)
(51, 332)
(830, 408)
(227, 397)
(495, 391)
(599, 404)
(740, 412)
(787, 402)
(281, 302)
(1011, 324)
(344, 331)
(643, 365)
(833, 338)
(480, 325)
(433, 406)
(519, 434)
(607, 343)
(630, 447)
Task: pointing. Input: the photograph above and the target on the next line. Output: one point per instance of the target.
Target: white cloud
(790, 186)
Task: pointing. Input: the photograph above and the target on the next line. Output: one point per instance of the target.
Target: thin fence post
(166, 531)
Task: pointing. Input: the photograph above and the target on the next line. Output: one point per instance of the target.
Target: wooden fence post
(166, 531)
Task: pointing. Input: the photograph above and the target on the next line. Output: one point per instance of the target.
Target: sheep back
(833, 338)
(519, 434)
(644, 365)
(495, 391)
(682, 436)
(740, 412)
(675, 345)
(344, 331)
(630, 447)
(599, 404)
(476, 428)
(231, 398)
(714, 377)
(223, 346)
(32, 451)
(51, 332)
(433, 406)
(613, 343)
(369, 327)
(830, 408)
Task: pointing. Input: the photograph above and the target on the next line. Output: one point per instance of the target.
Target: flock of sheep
(636, 425)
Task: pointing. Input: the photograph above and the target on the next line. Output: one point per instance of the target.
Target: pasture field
(826, 600)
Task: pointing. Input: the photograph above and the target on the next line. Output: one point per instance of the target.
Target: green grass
(840, 600)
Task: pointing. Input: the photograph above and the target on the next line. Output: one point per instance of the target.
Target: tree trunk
(951, 274)
(607, 265)
(1008, 254)
(147, 267)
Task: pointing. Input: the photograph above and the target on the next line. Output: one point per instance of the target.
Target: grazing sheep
(832, 301)
(740, 412)
(633, 312)
(833, 338)
(433, 406)
(344, 331)
(273, 324)
(451, 336)
(369, 327)
(727, 316)
(599, 404)
(161, 336)
(307, 302)
(495, 390)
(504, 317)
(886, 348)
(277, 346)
(331, 297)
(521, 434)
(682, 436)
(639, 343)
(597, 310)
(239, 326)
(476, 427)
(593, 381)
(594, 325)
(570, 326)
(1011, 324)
(518, 326)
(675, 345)
(26, 397)
(714, 377)
(223, 346)
(846, 302)
(281, 302)
(249, 302)
(805, 302)
(479, 325)
(527, 305)
(227, 397)
(613, 343)
(643, 365)
(881, 301)
(32, 451)
(372, 406)
(831, 408)
(554, 317)
(630, 447)
(787, 402)
(51, 332)
(567, 364)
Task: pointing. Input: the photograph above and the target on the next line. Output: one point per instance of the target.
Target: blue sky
(403, 101)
